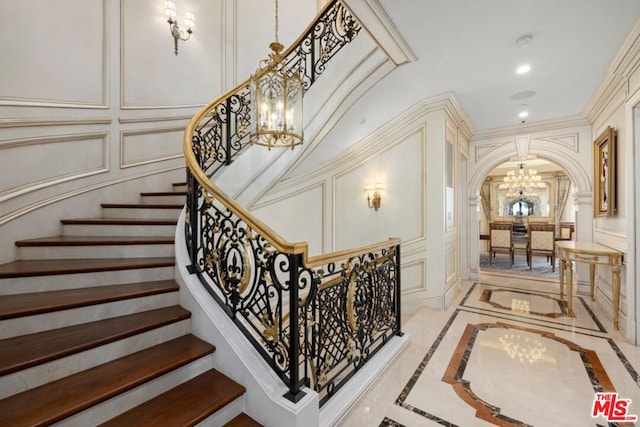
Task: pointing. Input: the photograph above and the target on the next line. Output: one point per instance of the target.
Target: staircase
(91, 332)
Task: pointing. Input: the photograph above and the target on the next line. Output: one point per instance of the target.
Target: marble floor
(506, 355)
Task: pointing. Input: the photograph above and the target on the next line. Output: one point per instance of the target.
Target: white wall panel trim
(124, 134)
(422, 286)
(53, 121)
(125, 120)
(55, 199)
(57, 179)
(102, 103)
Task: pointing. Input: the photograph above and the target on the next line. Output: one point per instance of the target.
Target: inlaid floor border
(400, 401)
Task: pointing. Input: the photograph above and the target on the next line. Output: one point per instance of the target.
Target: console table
(592, 254)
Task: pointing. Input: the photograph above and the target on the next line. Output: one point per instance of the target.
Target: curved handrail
(288, 304)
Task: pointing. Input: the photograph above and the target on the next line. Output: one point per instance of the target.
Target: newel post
(294, 394)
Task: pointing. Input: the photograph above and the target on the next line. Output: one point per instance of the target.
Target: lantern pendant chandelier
(521, 183)
(276, 101)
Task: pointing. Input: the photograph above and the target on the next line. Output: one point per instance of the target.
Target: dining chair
(542, 242)
(501, 241)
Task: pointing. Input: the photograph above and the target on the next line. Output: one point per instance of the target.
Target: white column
(474, 238)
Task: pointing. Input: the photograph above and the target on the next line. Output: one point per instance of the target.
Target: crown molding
(617, 75)
(375, 20)
(531, 127)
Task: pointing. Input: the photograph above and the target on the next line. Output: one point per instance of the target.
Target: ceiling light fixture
(523, 69)
(522, 114)
(276, 100)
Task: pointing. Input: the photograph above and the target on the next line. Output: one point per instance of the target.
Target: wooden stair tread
(165, 193)
(243, 420)
(143, 206)
(60, 399)
(24, 351)
(96, 241)
(179, 184)
(119, 221)
(12, 306)
(185, 405)
(45, 267)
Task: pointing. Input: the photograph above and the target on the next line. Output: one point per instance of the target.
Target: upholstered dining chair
(542, 241)
(501, 240)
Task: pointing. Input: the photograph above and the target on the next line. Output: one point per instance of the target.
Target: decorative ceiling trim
(617, 75)
(375, 20)
(533, 127)
(522, 145)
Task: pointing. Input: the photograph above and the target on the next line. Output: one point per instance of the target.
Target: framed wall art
(604, 174)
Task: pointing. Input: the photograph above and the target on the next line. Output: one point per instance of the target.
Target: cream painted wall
(93, 100)
(408, 157)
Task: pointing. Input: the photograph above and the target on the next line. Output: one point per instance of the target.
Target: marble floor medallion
(524, 346)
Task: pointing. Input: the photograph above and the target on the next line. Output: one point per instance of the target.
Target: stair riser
(118, 230)
(125, 401)
(41, 374)
(102, 251)
(224, 415)
(59, 319)
(19, 285)
(159, 200)
(140, 213)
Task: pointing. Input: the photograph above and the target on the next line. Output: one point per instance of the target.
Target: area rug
(500, 264)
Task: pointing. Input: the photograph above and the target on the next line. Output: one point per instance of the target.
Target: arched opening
(519, 193)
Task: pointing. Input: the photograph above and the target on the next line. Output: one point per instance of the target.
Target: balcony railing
(315, 320)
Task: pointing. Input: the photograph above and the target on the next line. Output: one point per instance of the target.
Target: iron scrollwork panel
(354, 315)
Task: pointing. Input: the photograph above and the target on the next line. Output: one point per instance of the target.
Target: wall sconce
(373, 195)
(177, 32)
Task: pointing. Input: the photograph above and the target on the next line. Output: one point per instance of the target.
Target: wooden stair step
(12, 306)
(96, 241)
(243, 420)
(46, 267)
(185, 405)
(179, 184)
(60, 399)
(24, 351)
(118, 221)
(164, 193)
(142, 206)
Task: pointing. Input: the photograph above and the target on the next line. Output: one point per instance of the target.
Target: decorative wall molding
(611, 239)
(53, 121)
(483, 150)
(419, 265)
(522, 145)
(570, 141)
(20, 190)
(125, 134)
(58, 198)
(127, 120)
(102, 103)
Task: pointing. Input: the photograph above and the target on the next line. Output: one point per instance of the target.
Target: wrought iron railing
(317, 320)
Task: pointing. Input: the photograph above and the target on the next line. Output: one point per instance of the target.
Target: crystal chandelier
(276, 101)
(522, 183)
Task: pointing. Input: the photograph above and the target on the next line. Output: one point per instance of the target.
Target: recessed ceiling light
(523, 69)
(522, 114)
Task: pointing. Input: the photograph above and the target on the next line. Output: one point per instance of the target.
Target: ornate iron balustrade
(314, 320)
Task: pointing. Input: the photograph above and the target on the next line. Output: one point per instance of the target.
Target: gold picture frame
(604, 174)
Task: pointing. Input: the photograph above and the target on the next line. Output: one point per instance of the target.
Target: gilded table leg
(570, 288)
(592, 280)
(562, 267)
(615, 282)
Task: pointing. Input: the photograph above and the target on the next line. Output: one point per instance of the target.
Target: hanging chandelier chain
(276, 21)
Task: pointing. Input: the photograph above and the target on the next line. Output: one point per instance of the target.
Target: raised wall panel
(152, 76)
(402, 208)
(413, 277)
(299, 216)
(41, 162)
(53, 53)
(150, 146)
